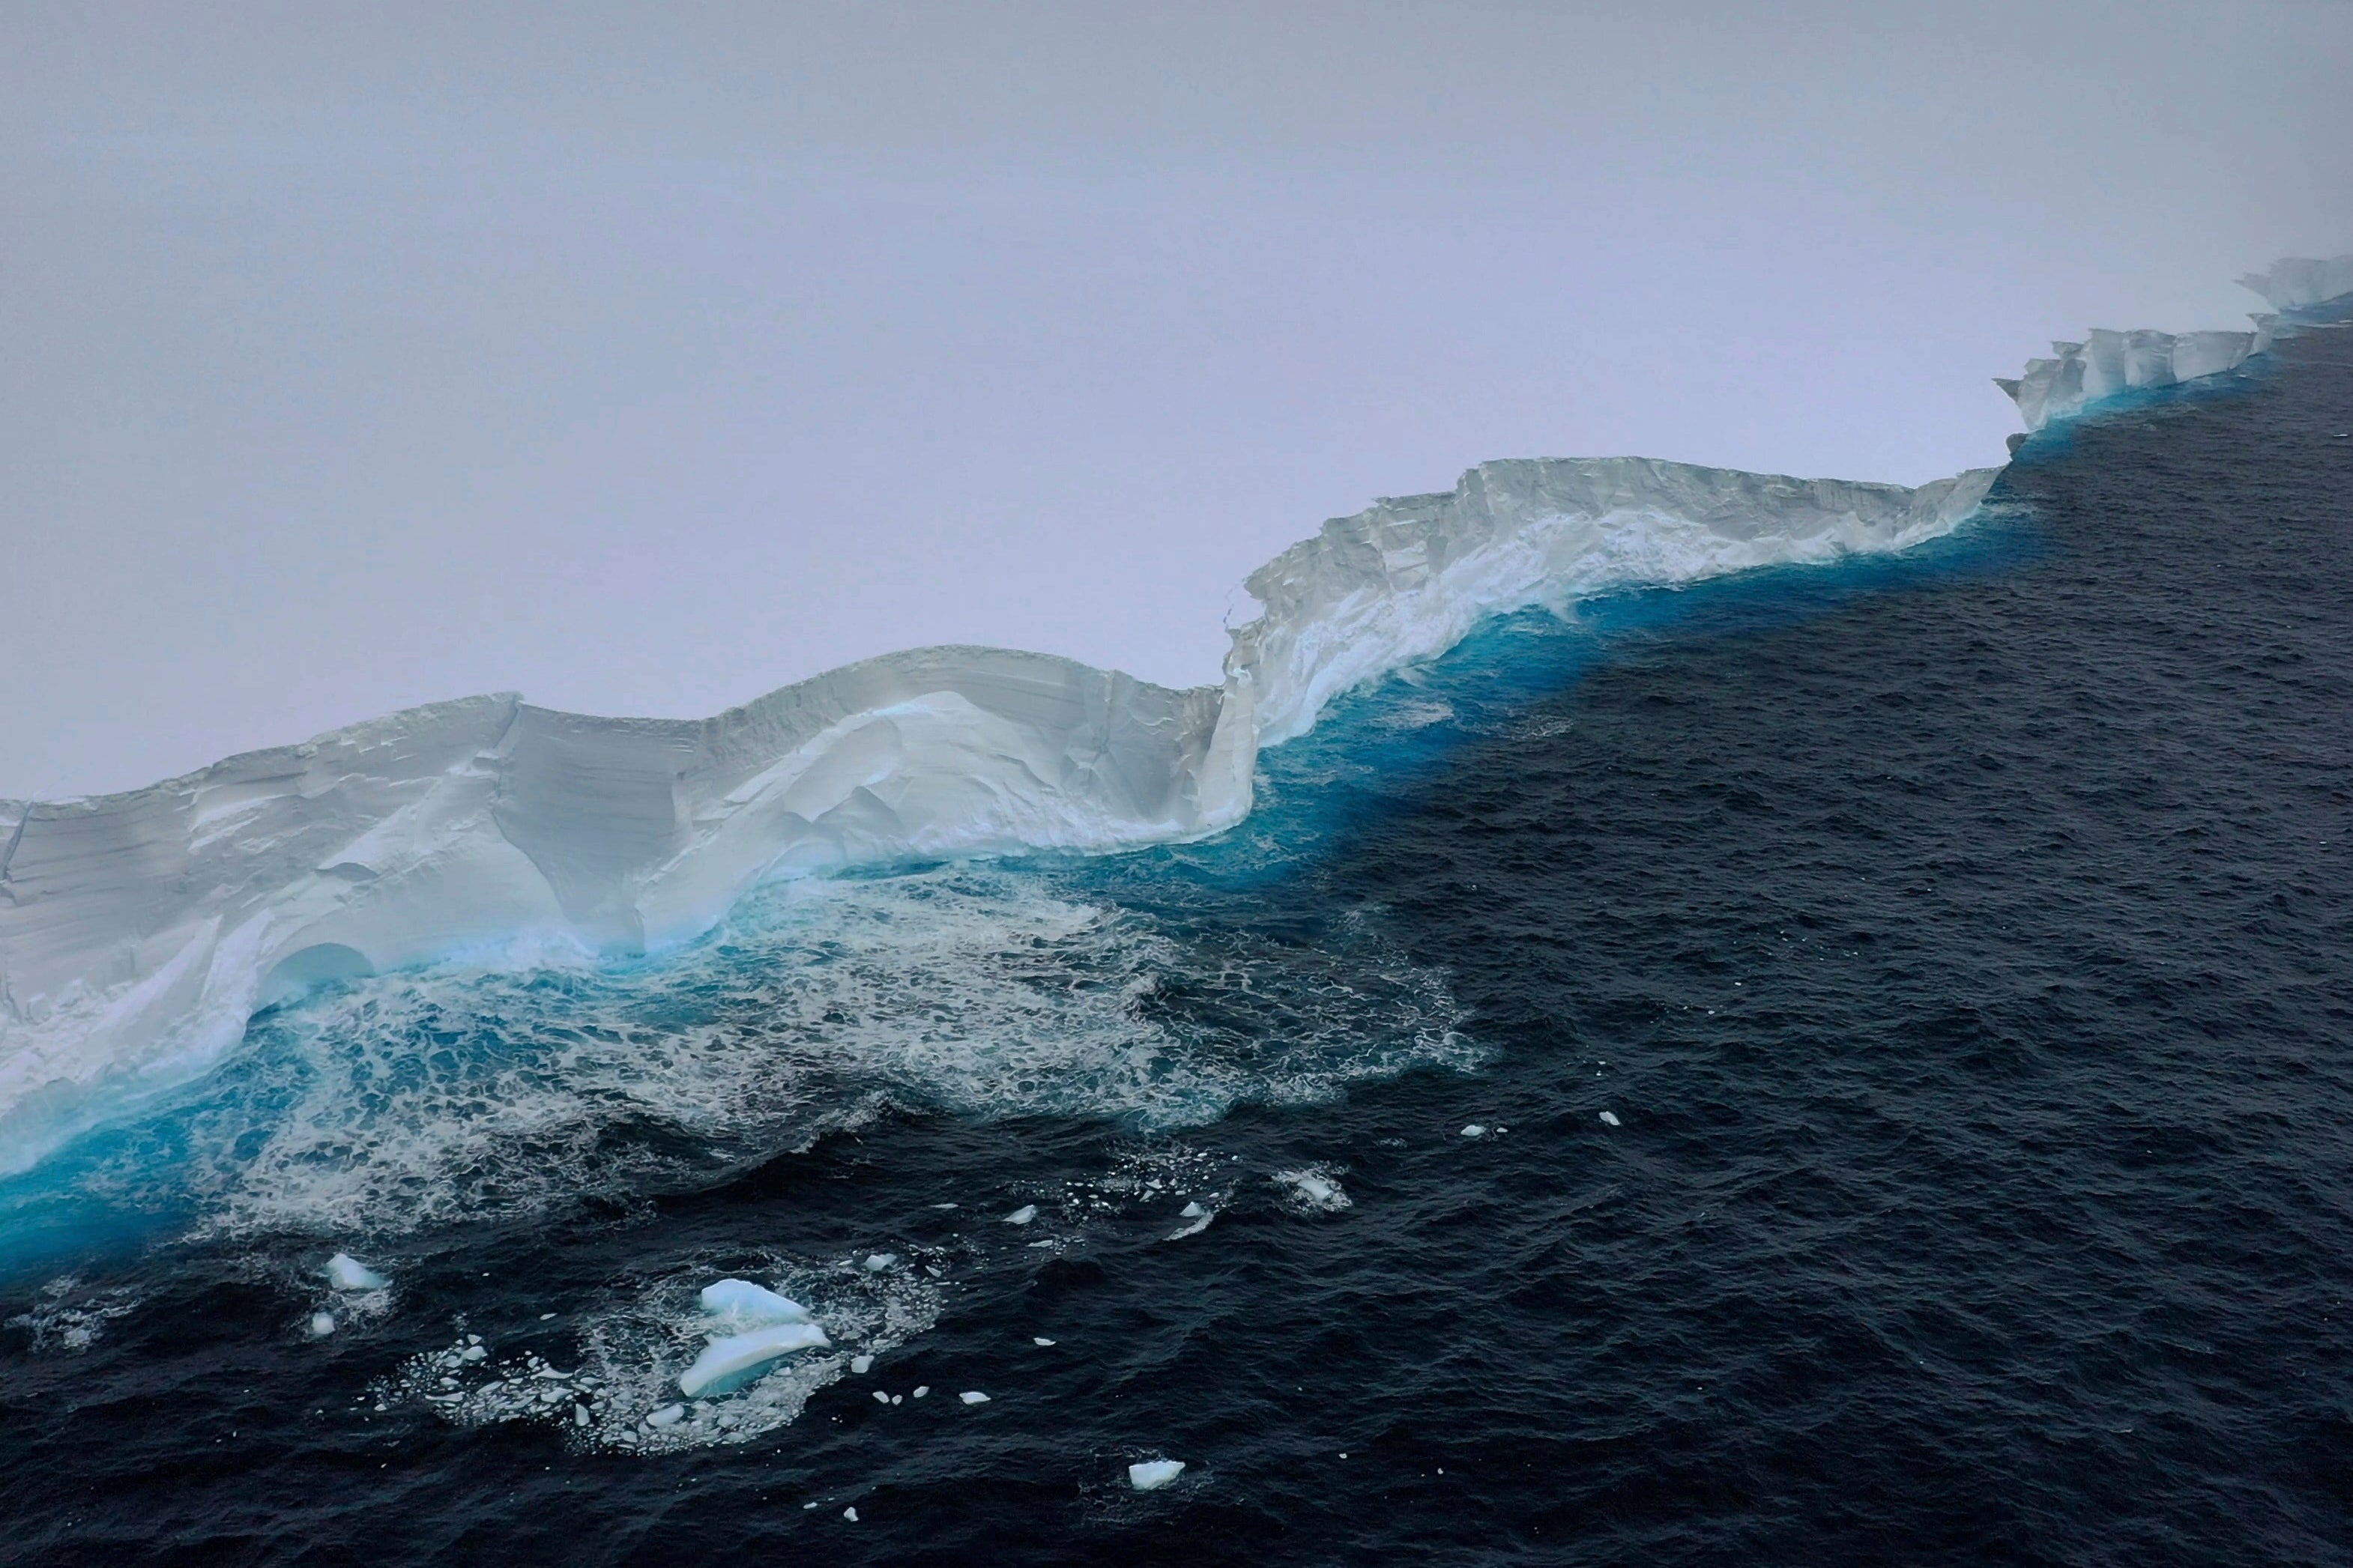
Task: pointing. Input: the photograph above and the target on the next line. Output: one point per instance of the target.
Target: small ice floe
(1609, 1117)
(321, 1324)
(1314, 1188)
(1196, 1220)
(877, 1261)
(668, 1416)
(1191, 1211)
(881, 1397)
(1151, 1475)
(345, 1272)
(729, 1363)
(973, 1396)
(1474, 1131)
(861, 1364)
(851, 1514)
(1023, 1215)
(750, 1305)
(921, 1390)
(1040, 1340)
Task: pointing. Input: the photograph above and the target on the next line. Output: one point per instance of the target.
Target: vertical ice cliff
(1406, 579)
(138, 931)
(2106, 362)
(2297, 283)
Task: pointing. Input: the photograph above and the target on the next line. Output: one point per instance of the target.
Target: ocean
(1835, 1064)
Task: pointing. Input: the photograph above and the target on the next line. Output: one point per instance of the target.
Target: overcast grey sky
(645, 358)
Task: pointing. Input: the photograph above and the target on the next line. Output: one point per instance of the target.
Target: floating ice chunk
(321, 1324)
(731, 1363)
(1153, 1474)
(1194, 1227)
(1191, 1211)
(345, 1272)
(922, 1389)
(1610, 1117)
(668, 1416)
(881, 1397)
(861, 1363)
(851, 1514)
(1040, 1340)
(1474, 1131)
(898, 1399)
(472, 1353)
(877, 1261)
(751, 1305)
(1023, 1215)
(973, 1396)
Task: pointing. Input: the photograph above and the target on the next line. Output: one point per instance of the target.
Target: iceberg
(345, 1272)
(141, 931)
(740, 1301)
(729, 1363)
(1151, 1475)
(2298, 283)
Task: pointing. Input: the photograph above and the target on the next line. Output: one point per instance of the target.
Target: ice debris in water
(1314, 1187)
(1023, 1215)
(1040, 1340)
(973, 1396)
(754, 1306)
(1610, 1117)
(861, 1363)
(321, 1324)
(921, 1390)
(345, 1272)
(851, 1514)
(1151, 1475)
(1474, 1131)
(668, 1416)
(879, 1261)
(1191, 1211)
(731, 1363)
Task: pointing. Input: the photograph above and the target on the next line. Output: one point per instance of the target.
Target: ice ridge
(2107, 362)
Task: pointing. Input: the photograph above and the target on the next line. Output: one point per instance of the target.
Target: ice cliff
(138, 931)
(2106, 362)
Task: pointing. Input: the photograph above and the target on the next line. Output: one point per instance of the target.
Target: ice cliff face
(1407, 579)
(138, 931)
(2107, 362)
(2298, 283)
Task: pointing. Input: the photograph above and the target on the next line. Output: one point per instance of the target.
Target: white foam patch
(69, 1320)
(413, 1100)
(1314, 1189)
(619, 1390)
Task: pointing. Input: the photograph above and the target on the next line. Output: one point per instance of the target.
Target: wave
(141, 931)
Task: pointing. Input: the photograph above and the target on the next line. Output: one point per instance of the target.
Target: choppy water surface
(1959, 943)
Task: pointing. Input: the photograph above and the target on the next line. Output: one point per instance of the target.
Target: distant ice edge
(140, 932)
(2106, 362)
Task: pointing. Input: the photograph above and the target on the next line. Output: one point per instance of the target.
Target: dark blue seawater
(1960, 942)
